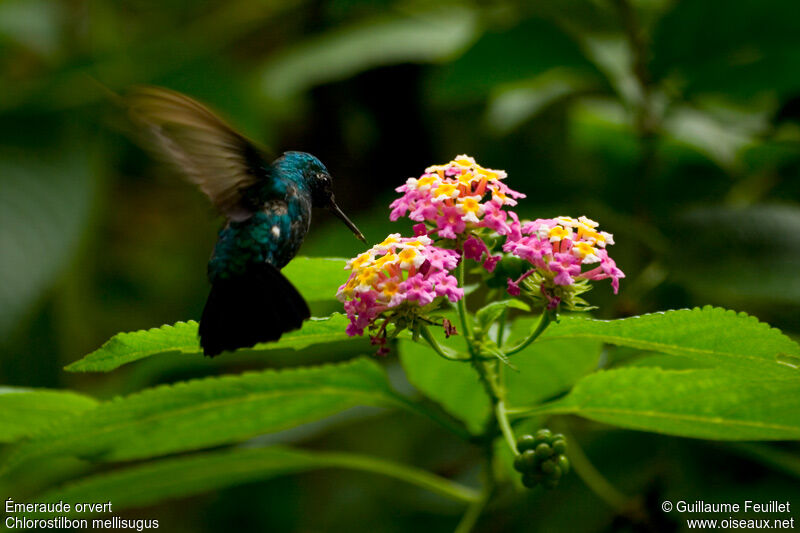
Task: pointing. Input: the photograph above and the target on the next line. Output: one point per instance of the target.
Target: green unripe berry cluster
(542, 458)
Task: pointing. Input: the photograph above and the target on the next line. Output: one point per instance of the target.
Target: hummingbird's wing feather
(221, 162)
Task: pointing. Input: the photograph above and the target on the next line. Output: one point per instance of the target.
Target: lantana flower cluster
(465, 208)
(456, 198)
(402, 274)
(559, 248)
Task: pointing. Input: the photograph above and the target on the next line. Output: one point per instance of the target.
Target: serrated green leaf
(125, 348)
(545, 369)
(26, 411)
(707, 404)
(212, 411)
(455, 386)
(186, 476)
(713, 336)
(317, 278)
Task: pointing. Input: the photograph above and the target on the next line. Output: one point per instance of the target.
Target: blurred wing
(220, 161)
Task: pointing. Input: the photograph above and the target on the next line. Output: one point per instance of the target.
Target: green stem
(593, 478)
(497, 395)
(501, 328)
(505, 426)
(463, 315)
(443, 351)
(472, 515)
(414, 476)
(547, 317)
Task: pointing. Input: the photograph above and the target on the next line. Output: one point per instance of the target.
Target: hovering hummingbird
(267, 207)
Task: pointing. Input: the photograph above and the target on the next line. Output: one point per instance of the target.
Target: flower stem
(501, 328)
(463, 316)
(593, 478)
(505, 426)
(547, 317)
(443, 351)
(472, 515)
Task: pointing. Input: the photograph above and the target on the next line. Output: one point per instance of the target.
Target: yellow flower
(390, 288)
(426, 182)
(471, 209)
(359, 261)
(367, 277)
(409, 257)
(558, 233)
(585, 251)
(448, 190)
(389, 258)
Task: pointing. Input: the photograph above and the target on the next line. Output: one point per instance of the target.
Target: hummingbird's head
(320, 183)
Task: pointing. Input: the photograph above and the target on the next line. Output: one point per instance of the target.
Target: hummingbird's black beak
(349, 223)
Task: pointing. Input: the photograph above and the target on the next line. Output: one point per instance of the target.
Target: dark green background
(675, 124)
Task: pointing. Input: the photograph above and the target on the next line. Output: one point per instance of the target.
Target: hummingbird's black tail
(257, 306)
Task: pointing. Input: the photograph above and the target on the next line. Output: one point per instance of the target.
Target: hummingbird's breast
(272, 235)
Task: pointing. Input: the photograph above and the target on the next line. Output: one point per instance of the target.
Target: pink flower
(447, 286)
(449, 223)
(491, 262)
(475, 248)
(565, 266)
(443, 259)
(531, 249)
(418, 288)
(607, 269)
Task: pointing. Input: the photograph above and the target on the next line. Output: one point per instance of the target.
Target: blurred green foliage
(674, 123)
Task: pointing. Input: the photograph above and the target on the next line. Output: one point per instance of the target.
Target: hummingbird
(267, 208)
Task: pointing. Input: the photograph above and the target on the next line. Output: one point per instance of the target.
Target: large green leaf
(455, 386)
(709, 335)
(547, 368)
(174, 478)
(125, 348)
(26, 411)
(708, 404)
(212, 411)
(317, 278)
